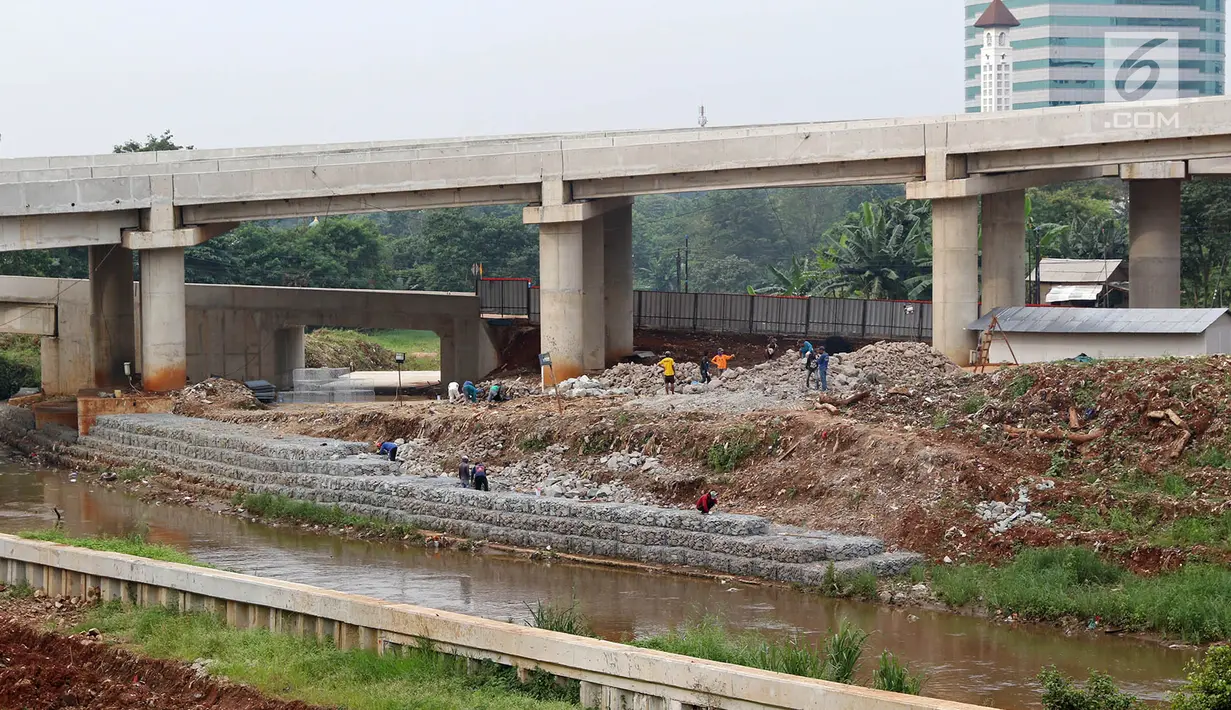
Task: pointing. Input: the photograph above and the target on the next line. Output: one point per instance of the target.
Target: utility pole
(685, 263)
(678, 282)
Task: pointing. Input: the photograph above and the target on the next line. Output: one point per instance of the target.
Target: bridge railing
(790, 316)
(612, 675)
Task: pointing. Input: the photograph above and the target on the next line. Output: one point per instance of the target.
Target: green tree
(1208, 686)
(882, 251)
(795, 280)
(1205, 245)
(439, 255)
(165, 141)
(1100, 693)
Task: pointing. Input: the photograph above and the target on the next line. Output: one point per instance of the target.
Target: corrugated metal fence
(739, 313)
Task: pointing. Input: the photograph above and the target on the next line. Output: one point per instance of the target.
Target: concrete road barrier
(613, 676)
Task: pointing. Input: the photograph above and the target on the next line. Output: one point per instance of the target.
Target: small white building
(996, 56)
(1081, 282)
(1041, 334)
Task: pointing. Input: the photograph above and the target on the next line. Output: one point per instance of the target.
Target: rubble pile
(214, 393)
(893, 364)
(1005, 516)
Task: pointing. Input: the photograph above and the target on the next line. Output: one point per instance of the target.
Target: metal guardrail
(790, 316)
(612, 675)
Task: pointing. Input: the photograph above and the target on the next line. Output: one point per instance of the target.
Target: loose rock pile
(892, 364)
(1006, 516)
(215, 393)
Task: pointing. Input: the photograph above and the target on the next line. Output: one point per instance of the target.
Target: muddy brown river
(965, 659)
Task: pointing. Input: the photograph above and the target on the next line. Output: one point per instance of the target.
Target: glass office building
(1058, 50)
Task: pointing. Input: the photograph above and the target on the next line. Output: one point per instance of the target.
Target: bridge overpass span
(240, 332)
(974, 168)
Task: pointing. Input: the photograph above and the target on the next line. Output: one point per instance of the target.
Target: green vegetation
(1208, 686)
(21, 590)
(19, 363)
(534, 443)
(411, 342)
(1100, 693)
(974, 403)
(1020, 385)
(733, 447)
(557, 617)
(280, 507)
(1193, 603)
(130, 474)
(320, 674)
(326, 347)
(892, 675)
(940, 419)
(135, 545)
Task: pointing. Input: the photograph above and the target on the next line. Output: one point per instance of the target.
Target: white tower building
(996, 58)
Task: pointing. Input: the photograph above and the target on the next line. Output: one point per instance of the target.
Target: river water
(965, 659)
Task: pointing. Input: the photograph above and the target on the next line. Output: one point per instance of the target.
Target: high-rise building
(1058, 53)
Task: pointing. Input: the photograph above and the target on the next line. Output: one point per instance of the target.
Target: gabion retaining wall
(332, 472)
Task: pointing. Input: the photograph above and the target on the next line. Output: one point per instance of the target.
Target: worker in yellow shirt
(720, 360)
(668, 366)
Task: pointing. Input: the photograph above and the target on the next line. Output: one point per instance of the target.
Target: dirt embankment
(345, 348)
(40, 670)
(1129, 457)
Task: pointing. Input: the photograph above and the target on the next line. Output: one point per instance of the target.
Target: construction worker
(705, 370)
(479, 475)
(463, 472)
(721, 360)
(471, 392)
(822, 367)
(771, 348)
(707, 502)
(668, 366)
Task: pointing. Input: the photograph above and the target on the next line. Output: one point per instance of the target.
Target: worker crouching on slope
(707, 502)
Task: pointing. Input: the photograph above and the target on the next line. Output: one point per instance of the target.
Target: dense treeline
(861, 241)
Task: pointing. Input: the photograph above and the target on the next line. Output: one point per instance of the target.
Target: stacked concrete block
(339, 473)
(322, 385)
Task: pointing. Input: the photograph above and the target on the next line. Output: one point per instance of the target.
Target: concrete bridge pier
(618, 289)
(164, 334)
(955, 275)
(1154, 234)
(1004, 249)
(574, 279)
(112, 315)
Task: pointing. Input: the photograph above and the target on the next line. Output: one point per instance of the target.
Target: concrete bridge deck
(973, 167)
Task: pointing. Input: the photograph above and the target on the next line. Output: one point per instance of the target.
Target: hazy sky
(78, 76)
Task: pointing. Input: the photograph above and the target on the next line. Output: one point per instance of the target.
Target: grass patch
(893, 675)
(129, 474)
(1193, 603)
(708, 638)
(280, 507)
(320, 674)
(1213, 456)
(1020, 385)
(733, 447)
(130, 545)
(974, 403)
(1208, 531)
(940, 420)
(557, 617)
(1100, 693)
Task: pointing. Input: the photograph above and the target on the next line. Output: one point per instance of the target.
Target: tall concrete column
(955, 276)
(561, 293)
(112, 323)
(593, 302)
(618, 285)
(288, 355)
(163, 315)
(1154, 243)
(1004, 249)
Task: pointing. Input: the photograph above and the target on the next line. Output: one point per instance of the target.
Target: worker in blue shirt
(471, 392)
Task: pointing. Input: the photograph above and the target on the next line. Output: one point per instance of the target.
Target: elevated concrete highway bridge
(974, 168)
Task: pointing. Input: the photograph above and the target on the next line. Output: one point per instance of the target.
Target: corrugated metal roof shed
(1077, 271)
(1019, 319)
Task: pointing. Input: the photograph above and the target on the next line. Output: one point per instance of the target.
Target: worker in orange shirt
(720, 360)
